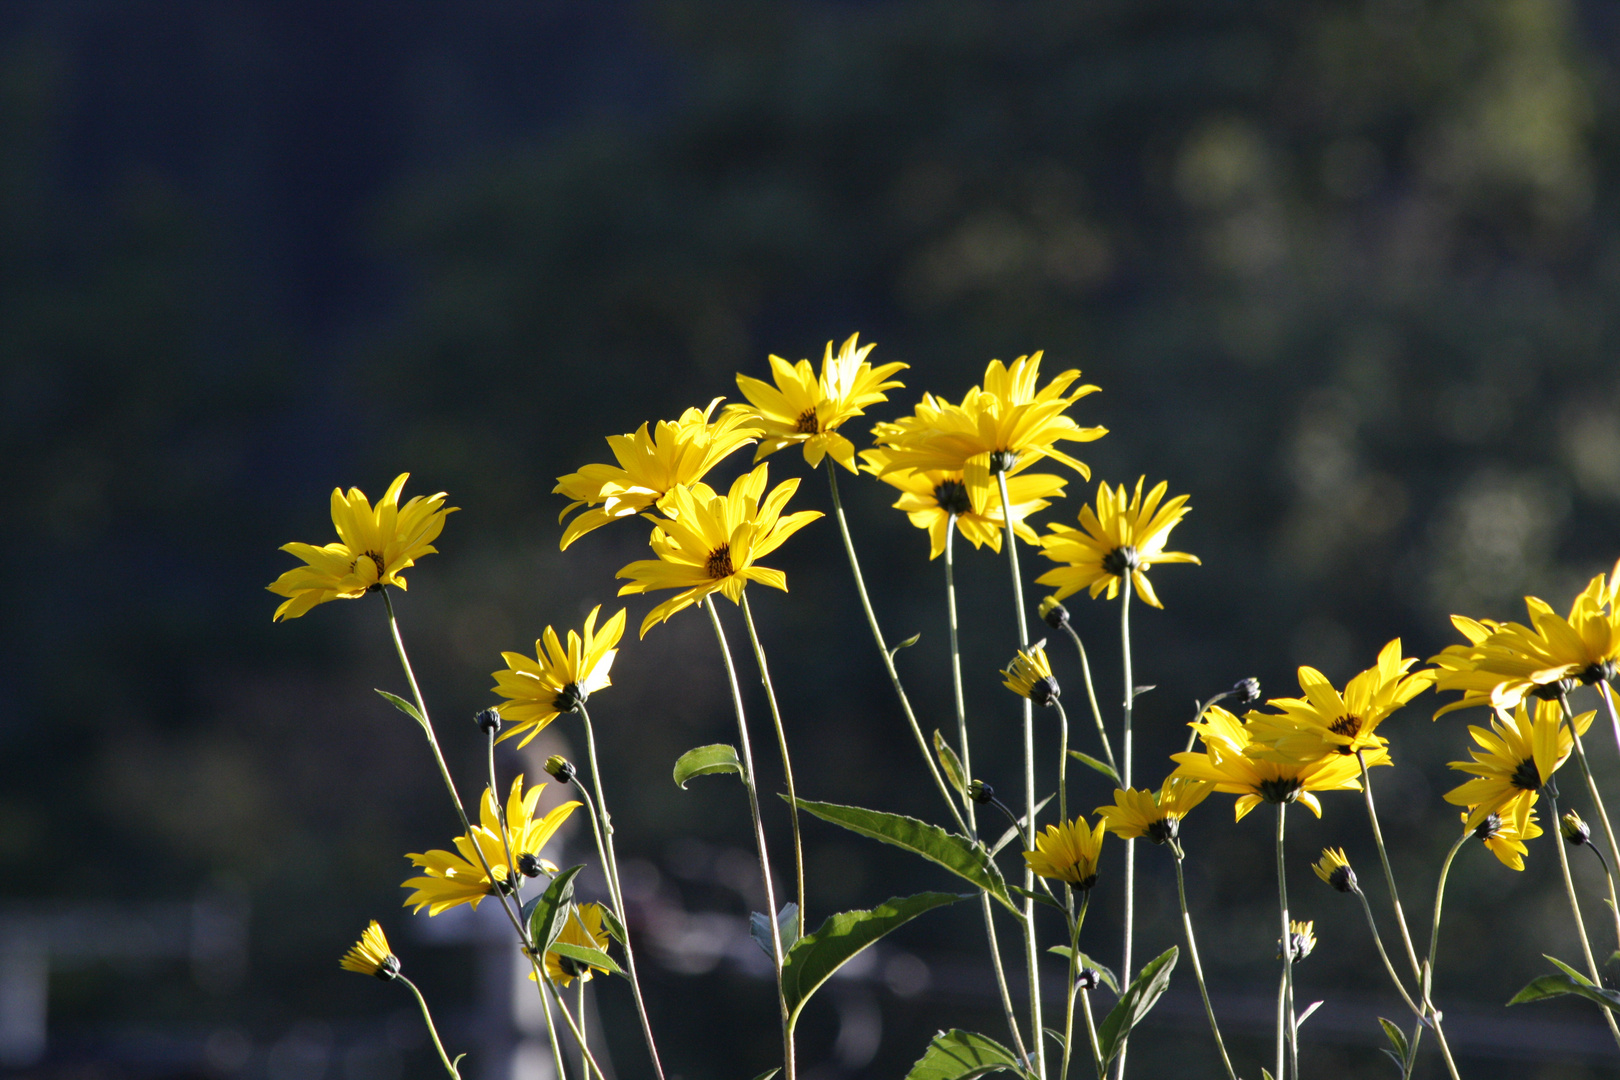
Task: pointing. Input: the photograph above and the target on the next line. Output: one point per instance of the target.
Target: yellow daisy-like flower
(374, 545)
(556, 680)
(1515, 759)
(801, 408)
(1068, 852)
(1121, 538)
(1007, 419)
(1505, 839)
(1154, 814)
(1334, 869)
(931, 497)
(584, 928)
(1030, 675)
(713, 541)
(458, 877)
(1228, 762)
(371, 955)
(1301, 940)
(1325, 722)
(650, 465)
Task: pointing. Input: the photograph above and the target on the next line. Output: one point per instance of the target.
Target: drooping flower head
(712, 542)
(1154, 814)
(1068, 851)
(458, 877)
(1228, 762)
(802, 408)
(1007, 419)
(932, 497)
(1121, 539)
(371, 955)
(1030, 675)
(1515, 759)
(556, 680)
(584, 928)
(650, 465)
(1324, 722)
(1505, 839)
(374, 545)
(1334, 869)
(1301, 940)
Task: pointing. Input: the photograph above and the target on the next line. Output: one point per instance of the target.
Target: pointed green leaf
(955, 853)
(704, 760)
(1134, 1004)
(1265, 1074)
(1567, 970)
(405, 707)
(595, 958)
(1038, 897)
(768, 1073)
(906, 644)
(1397, 1039)
(550, 912)
(816, 956)
(1013, 830)
(1299, 1021)
(1549, 986)
(1100, 766)
(1057, 1037)
(962, 1055)
(1140, 690)
(787, 926)
(950, 763)
(615, 928)
(1061, 950)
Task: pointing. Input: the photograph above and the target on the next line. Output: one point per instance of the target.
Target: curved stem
(789, 1070)
(512, 873)
(888, 657)
(1091, 695)
(1580, 924)
(1063, 761)
(1285, 992)
(1434, 948)
(1125, 778)
(1597, 804)
(444, 1058)
(1389, 875)
(1606, 692)
(579, 1036)
(1383, 955)
(1198, 968)
(1091, 1033)
(1073, 984)
(781, 744)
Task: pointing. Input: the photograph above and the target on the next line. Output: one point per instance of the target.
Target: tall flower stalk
(781, 743)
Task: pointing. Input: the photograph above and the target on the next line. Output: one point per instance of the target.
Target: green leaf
(1134, 1004)
(1138, 691)
(1104, 972)
(1100, 766)
(615, 928)
(703, 760)
(950, 763)
(906, 644)
(1266, 1075)
(1057, 1036)
(962, 1055)
(787, 926)
(405, 707)
(1012, 830)
(955, 853)
(1038, 897)
(1567, 970)
(1299, 1021)
(1550, 986)
(595, 958)
(1061, 950)
(816, 956)
(1397, 1039)
(550, 912)
(768, 1073)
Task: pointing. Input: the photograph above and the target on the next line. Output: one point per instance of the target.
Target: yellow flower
(1301, 940)
(713, 541)
(1324, 722)
(371, 955)
(1154, 814)
(1334, 869)
(1503, 662)
(453, 878)
(1068, 852)
(1007, 419)
(1030, 675)
(801, 408)
(554, 681)
(1517, 757)
(675, 452)
(1227, 761)
(583, 928)
(1505, 839)
(1121, 538)
(930, 497)
(374, 545)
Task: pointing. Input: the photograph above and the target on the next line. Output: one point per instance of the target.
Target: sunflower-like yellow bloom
(584, 928)
(371, 955)
(1068, 852)
(1505, 839)
(1030, 675)
(374, 545)
(931, 497)
(1007, 419)
(453, 878)
(1122, 537)
(712, 542)
(554, 681)
(1516, 758)
(1154, 814)
(801, 408)
(1334, 869)
(1229, 763)
(1325, 722)
(650, 465)
(1503, 662)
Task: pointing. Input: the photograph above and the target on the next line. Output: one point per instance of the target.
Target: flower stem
(1434, 948)
(1091, 1034)
(1383, 954)
(1597, 804)
(512, 873)
(1607, 694)
(1125, 782)
(1286, 1036)
(789, 1071)
(1063, 761)
(449, 1066)
(1580, 924)
(1198, 968)
(1389, 875)
(583, 1046)
(1091, 694)
(1074, 971)
(888, 657)
(1032, 958)
(589, 1059)
(781, 743)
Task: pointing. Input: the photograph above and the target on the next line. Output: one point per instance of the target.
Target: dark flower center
(571, 967)
(1554, 690)
(529, 864)
(952, 497)
(1526, 776)
(1163, 830)
(569, 698)
(1003, 460)
(1349, 727)
(807, 424)
(1044, 691)
(1597, 673)
(375, 558)
(719, 564)
(1283, 790)
(1085, 883)
(1487, 829)
(1343, 878)
(1121, 559)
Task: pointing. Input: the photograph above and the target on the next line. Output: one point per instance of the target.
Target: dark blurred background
(1344, 270)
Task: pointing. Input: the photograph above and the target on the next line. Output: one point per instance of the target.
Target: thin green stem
(1597, 804)
(1074, 971)
(1192, 736)
(449, 1066)
(1032, 957)
(1285, 994)
(1063, 761)
(1091, 1034)
(1383, 955)
(512, 873)
(1091, 695)
(888, 657)
(1580, 924)
(789, 1070)
(551, 1025)
(583, 1034)
(1606, 692)
(579, 1036)
(1389, 875)
(781, 745)
(1433, 957)
(1125, 782)
(1198, 968)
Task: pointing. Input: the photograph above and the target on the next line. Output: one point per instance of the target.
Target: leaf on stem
(550, 911)
(1013, 830)
(1570, 982)
(906, 644)
(950, 763)
(1299, 1021)
(787, 925)
(1038, 897)
(1135, 1003)
(962, 1055)
(405, 707)
(1397, 1039)
(1100, 766)
(595, 958)
(615, 928)
(704, 760)
(768, 1073)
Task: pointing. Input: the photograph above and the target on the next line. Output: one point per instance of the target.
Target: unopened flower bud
(1246, 691)
(1301, 940)
(1574, 830)
(1088, 979)
(529, 864)
(1334, 869)
(1055, 614)
(560, 768)
(981, 792)
(488, 720)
